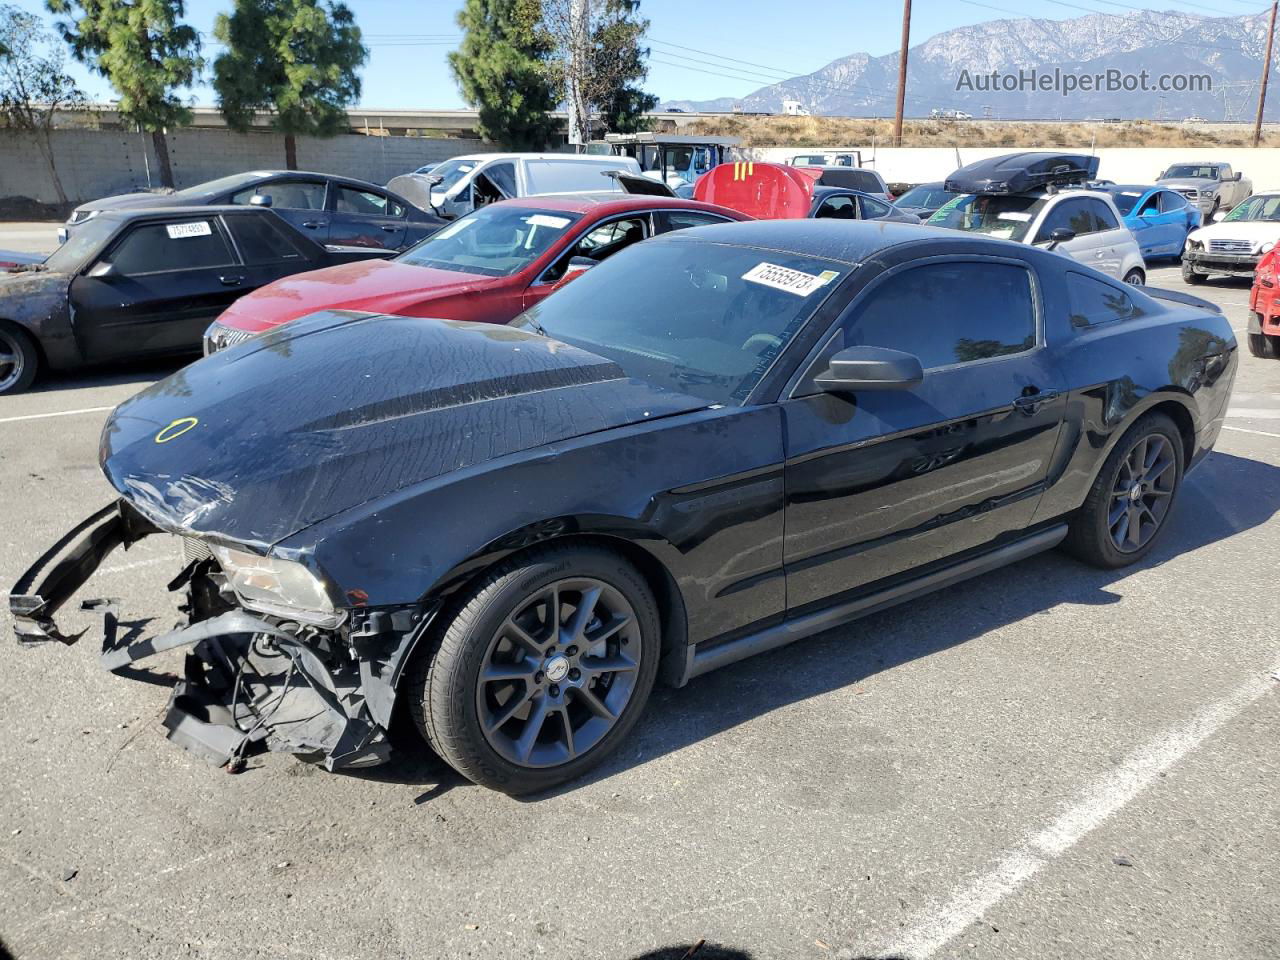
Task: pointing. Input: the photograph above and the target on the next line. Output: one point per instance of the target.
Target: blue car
(1159, 219)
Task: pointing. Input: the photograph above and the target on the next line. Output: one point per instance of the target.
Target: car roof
(844, 241)
(606, 202)
(1130, 188)
(187, 210)
(566, 157)
(825, 190)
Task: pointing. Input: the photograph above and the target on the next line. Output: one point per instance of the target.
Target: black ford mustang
(714, 444)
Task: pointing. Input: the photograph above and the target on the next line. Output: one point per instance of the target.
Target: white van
(459, 185)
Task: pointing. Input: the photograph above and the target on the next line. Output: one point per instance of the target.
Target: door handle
(230, 281)
(390, 229)
(312, 224)
(1030, 403)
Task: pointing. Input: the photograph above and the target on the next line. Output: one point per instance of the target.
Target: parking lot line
(1260, 433)
(60, 413)
(1092, 808)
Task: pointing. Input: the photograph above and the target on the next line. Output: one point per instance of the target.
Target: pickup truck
(1212, 187)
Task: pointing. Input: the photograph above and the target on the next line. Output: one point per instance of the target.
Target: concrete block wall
(99, 163)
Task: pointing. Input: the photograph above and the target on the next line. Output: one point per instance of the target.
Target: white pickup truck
(1212, 187)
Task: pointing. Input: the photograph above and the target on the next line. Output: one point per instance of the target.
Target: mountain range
(1228, 49)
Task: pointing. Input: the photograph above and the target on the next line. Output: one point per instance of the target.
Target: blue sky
(409, 39)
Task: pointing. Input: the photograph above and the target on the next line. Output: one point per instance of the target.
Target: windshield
(212, 187)
(1008, 218)
(1125, 200)
(85, 241)
(925, 197)
(689, 315)
(451, 171)
(1261, 207)
(494, 241)
(1190, 172)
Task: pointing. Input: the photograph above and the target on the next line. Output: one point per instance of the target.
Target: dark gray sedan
(334, 211)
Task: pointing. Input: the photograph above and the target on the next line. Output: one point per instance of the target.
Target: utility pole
(1266, 70)
(902, 69)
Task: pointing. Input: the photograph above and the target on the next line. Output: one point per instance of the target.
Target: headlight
(1266, 247)
(280, 587)
(80, 216)
(1208, 191)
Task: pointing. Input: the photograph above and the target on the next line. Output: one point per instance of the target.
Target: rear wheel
(1191, 274)
(1135, 277)
(1264, 346)
(543, 670)
(1130, 500)
(19, 359)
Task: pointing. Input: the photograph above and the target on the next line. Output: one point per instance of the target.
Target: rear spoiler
(1177, 296)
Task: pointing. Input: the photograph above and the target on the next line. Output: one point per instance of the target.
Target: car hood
(129, 201)
(261, 440)
(17, 287)
(375, 286)
(1197, 183)
(1256, 232)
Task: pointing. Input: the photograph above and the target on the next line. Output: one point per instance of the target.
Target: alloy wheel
(1142, 492)
(559, 672)
(12, 363)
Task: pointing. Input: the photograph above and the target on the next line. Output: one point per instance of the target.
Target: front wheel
(1191, 274)
(19, 359)
(1135, 277)
(1264, 346)
(1130, 500)
(542, 671)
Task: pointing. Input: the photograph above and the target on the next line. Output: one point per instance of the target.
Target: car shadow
(133, 371)
(846, 655)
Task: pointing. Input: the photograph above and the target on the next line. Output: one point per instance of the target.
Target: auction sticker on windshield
(177, 231)
(542, 220)
(792, 281)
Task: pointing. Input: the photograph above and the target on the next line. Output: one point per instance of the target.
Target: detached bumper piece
(250, 683)
(249, 686)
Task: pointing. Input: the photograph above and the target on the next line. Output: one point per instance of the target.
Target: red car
(1264, 310)
(489, 265)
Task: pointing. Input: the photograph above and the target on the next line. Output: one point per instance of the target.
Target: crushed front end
(272, 663)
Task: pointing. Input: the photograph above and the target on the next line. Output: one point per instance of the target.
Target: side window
(872, 208)
(366, 203)
(159, 247)
(668, 220)
(287, 194)
(917, 311)
(260, 240)
(503, 176)
(837, 208)
(1103, 218)
(598, 244)
(1150, 205)
(1170, 201)
(1093, 301)
(1069, 214)
(1224, 172)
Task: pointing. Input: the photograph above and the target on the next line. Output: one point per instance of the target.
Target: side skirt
(702, 661)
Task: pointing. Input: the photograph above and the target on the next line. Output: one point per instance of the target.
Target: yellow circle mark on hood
(176, 429)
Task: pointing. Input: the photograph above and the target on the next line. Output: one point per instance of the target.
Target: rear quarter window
(550, 176)
(1094, 301)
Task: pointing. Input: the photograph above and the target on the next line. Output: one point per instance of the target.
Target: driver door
(597, 244)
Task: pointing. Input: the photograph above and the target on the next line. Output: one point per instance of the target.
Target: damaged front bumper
(251, 682)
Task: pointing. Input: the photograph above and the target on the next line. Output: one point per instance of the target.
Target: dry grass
(819, 131)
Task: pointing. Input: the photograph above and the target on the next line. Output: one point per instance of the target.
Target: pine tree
(145, 51)
(297, 59)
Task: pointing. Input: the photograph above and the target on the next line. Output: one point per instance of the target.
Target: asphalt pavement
(1049, 761)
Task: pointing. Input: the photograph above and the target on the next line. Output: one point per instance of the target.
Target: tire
(480, 724)
(19, 359)
(1092, 531)
(1191, 274)
(1264, 346)
(1135, 277)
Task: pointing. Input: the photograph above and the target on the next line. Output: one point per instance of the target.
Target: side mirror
(1237, 175)
(104, 271)
(575, 266)
(260, 200)
(870, 368)
(1060, 235)
(1220, 215)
